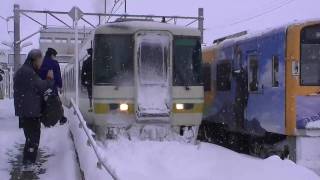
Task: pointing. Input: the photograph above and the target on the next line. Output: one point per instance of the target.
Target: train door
(153, 76)
(243, 75)
(303, 78)
(247, 89)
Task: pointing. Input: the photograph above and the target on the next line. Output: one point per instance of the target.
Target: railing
(91, 141)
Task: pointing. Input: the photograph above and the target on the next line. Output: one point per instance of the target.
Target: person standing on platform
(49, 63)
(86, 75)
(29, 90)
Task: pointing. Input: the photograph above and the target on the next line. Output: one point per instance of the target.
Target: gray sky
(222, 17)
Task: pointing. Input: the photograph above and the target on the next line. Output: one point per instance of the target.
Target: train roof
(130, 27)
(250, 35)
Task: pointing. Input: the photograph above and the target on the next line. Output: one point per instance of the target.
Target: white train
(146, 80)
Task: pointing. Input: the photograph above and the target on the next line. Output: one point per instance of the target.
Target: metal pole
(11, 83)
(125, 6)
(105, 6)
(16, 41)
(76, 55)
(200, 22)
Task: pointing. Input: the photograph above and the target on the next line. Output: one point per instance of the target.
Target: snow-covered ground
(144, 160)
(174, 161)
(137, 160)
(56, 151)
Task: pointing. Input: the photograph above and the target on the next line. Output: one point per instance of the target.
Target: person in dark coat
(86, 75)
(49, 63)
(29, 89)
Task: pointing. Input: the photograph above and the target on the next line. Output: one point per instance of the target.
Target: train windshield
(310, 56)
(113, 59)
(153, 60)
(187, 61)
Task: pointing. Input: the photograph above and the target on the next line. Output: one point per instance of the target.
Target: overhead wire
(262, 13)
(112, 9)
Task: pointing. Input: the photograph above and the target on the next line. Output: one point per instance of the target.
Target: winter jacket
(29, 89)
(86, 73)
(51, 64)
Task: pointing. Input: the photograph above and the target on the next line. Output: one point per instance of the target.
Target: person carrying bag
(52, 106)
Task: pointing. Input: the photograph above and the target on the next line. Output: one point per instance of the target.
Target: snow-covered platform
(56, 157)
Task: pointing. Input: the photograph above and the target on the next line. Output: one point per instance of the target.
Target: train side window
(223, 76)
(207, 76)
(275, 71)
(253, 73)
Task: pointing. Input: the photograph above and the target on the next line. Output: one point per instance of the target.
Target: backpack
(52, 110)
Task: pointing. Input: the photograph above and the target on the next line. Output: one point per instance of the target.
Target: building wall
(63, 40)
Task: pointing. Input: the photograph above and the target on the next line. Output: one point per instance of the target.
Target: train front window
(153, 50)
(153, 59)
(113, 60)
(187, 61)
(310, 56)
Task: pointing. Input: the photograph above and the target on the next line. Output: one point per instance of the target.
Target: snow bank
(306, 154)
(87, 157)
(313, 125)
(138, 160)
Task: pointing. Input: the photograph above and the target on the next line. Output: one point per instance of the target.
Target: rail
(91, 141)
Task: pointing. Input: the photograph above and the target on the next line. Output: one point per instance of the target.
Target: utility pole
(125, 6)
(16, 41)
(200, 22)
(105, 6)
(76, 54)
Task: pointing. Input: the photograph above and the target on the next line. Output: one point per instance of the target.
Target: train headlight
(124, 107)
(179, 106)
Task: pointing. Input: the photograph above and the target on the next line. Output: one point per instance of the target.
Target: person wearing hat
(86, 75)
(49, 63)
(29, 89)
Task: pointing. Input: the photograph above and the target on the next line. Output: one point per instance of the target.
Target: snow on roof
(134, 26)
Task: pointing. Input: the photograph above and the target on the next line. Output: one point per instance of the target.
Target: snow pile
(308, 152)
(87, 157)
(139, 160)
(313, 125)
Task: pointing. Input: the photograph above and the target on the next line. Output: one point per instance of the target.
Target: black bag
(52, 111)
(1, 78)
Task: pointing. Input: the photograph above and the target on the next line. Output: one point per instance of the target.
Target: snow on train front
(146, 81)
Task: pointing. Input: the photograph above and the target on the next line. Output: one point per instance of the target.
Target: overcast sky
(222, 17)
